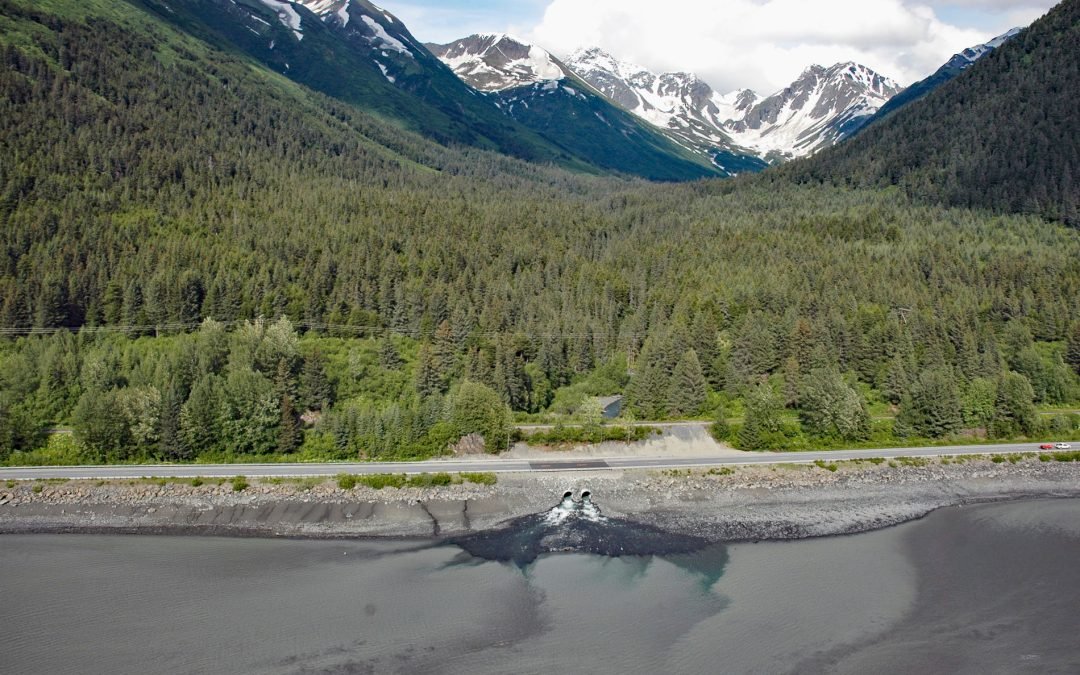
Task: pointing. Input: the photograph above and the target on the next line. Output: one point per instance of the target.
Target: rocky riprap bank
(752, 503)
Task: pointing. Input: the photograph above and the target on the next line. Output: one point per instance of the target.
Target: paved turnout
(491, 464)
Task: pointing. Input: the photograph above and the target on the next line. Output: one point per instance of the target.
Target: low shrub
(912, 461)
(239, 484)
(196, 481)
(430, 480)
(346, 481)
(378, 481)
(486, 478)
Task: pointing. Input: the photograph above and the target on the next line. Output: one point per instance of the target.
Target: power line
(370, 331)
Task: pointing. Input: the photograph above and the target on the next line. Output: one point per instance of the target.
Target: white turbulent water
(569, 508)
(928, 596)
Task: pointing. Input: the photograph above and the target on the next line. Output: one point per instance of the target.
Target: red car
(1046, 446)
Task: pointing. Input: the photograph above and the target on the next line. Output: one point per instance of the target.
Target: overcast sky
(735, 44)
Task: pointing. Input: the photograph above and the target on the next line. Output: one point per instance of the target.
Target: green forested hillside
(424, 98)
(1004, 135)
(150, 181)
(416, 92)
(585, 123)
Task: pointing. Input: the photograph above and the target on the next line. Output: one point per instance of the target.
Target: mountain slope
(149, 180)
(494, 62)
(821, 107)
(679, 103)
(534, 88)
(1003, 135)
(370, 61)
(953, 67)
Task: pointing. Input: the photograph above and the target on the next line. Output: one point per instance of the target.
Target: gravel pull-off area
(748, 503)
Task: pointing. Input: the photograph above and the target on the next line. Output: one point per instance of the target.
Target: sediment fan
(574, 526)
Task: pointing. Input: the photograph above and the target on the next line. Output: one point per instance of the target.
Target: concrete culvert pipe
(585, 495)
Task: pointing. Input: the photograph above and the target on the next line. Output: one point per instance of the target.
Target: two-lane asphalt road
(492, 464)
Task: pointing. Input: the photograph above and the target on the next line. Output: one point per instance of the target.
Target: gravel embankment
(753, 503)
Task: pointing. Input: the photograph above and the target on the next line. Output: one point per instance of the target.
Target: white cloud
(430, 23)
(763, 44)
(992, 4)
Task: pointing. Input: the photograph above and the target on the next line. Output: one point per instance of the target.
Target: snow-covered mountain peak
(818, 109)
(595, 59)
(821, 106)
(497, 61)
(847, 74)
(372, 24)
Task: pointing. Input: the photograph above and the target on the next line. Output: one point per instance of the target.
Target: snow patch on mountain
(338, 9)
(497, 61)
(343, 14)
(1001, 39)
(287, 16)
(323, 7)
(383, 38)
(970, 55)
(386, 73)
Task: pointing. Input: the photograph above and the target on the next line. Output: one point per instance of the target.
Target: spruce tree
(932, 409)
(897, 382)
(388, 354)
(1072, 349)
(200, 417)
(1014, 407)
(720, 428)
(172, 444)
(755, 347)
(316, 392)
(792, 382)
(444, 349)
(290, 432)
(687, 391)
(647, 393)
(703, 337)
(427, 380)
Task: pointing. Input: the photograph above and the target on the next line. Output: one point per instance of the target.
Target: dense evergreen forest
(1003, 135)
(203, 260)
